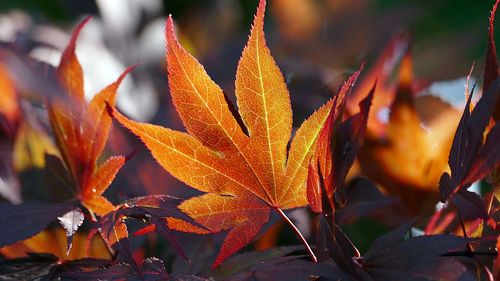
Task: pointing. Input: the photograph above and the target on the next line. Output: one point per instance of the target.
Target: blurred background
(311, 39)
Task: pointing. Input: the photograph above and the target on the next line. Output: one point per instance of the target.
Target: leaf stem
(299, 235)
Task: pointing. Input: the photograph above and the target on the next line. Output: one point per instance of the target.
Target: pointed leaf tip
(74, 36)
(259, 15)
(170, 31)
(126, 72)
(70, 73)
(78, 29)
(262, 7)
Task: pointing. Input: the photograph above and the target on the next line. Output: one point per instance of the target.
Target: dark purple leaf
(488, 157)
(471, 206)
(114, 272)
(33, 267)
(122, 248)
(348, 139)
(180, 277)
(165, 232)
(436, 270)
(158, 206)
(59, 182)
(417, 258)
(337, 246)
(32, 76)
(151, 269)
(42, 266)
(154, 269)
(291, 268)
(19, 222)
(245, 261)
(388, 240)
(470, 159)
(151, 209)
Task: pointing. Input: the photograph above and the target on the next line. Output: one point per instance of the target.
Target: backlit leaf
(71, 221)
(471, 158)
(336, 149)
(245, 176)
(81, 130)
(411, 156)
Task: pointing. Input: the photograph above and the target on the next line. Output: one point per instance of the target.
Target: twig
(297, 232)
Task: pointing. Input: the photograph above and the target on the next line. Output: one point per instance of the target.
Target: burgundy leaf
(471, 206)
(417, 258)
(337, 246)
(388, 240)
(348, 139)
(470, 158)
(153, 209)
(291, 268)
(244, 262)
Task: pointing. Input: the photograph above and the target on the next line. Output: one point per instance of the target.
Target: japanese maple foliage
(247, 165)
(81, 132)
(244, 175)
(82, 129)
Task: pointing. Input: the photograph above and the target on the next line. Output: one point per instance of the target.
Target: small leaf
(71, 221)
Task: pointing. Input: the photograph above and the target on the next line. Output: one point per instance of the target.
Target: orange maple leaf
(410, 158)
(244, 175)
(81, 130)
